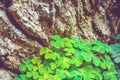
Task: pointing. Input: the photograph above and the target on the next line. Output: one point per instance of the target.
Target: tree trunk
(26, 25)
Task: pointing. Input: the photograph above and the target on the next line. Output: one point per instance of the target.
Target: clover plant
(116, 54)
(70, 59)
(116, 50)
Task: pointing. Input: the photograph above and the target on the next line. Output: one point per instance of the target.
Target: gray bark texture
(26, 25)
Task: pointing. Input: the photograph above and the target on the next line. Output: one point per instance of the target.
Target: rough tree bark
(25, 25)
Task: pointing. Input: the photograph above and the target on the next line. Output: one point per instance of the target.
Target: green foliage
(116, 50)
(116, 54)
(118, 74)
(70, 59)
(118, 37)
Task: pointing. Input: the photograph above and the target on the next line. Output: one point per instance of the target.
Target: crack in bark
(26, 31)
(2, 65)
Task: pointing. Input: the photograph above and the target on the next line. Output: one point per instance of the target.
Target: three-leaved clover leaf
(96, 60)
(55, 37)
(52, 56)
(36, 60)
(44, 51)
(86, 56)
(42, 70)
(60, 73)
(108, 75)
(29, 74)
(35, 75)
(84, 45)
(54, 44)
(98, 46)
(76, 61)
(76, 42)
(91, 73)
(21, 77)
(55, 41)
(22, 68)
(53, 65)
(70, 59)
(69, 43)
(69, 51)
(63, 62)
(117, 60)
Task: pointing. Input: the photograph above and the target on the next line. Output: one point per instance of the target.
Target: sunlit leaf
(23, 77)
(55, 37)
(35, 75)
(29, 74)
(106, 75)
(60, 73)
(96, 61)
(53, 66)
(54, 44)
(30, 67)
(86, 56)
(42, 70)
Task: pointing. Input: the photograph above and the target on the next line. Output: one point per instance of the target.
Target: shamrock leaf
(117, 60)
(22, 68)
(96, 61)
(86, 56)
(60, 73)
(35, 75)
(106, 75)
(55, 37)
(53, 65)
(23, 77)
(29, 74)
(55, 44)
